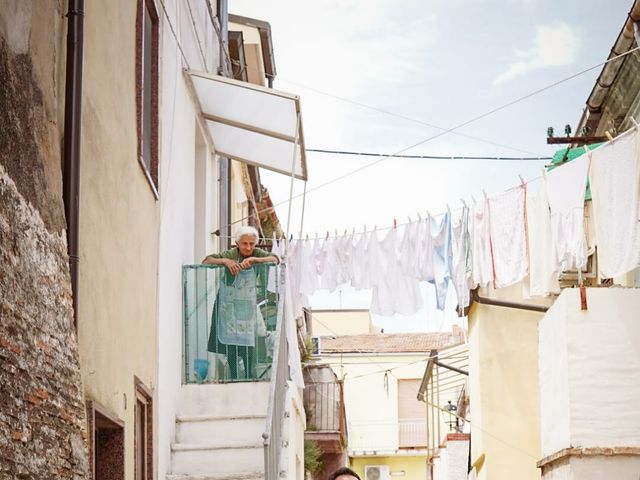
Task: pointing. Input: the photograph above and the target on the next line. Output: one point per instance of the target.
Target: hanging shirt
(566, 186)
(344, 252)
(330, 270)
(508, 237)
(615, 190)
(441, 241)
(461, 258)
(360, 278)
(543, 275)
(482, 267)
(409, 250)
(308, 282)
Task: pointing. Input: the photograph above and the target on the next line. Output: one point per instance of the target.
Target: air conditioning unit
(315, 345)
(376, 472)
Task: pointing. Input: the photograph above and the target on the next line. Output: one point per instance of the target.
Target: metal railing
(230, 323)
(412, 433)
(322, 401)
(280, 375)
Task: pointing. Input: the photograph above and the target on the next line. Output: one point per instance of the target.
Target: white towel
(508, 237)
(615, 190)
(566, 186)
(543, 276)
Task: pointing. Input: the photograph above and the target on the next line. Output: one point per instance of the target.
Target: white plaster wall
(603, 364)
(596, 468)
(554, 379)
(188, 197)
(457, 460)
(441, 465)
(293, 434)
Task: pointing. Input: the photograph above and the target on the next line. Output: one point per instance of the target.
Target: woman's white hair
(246, 232)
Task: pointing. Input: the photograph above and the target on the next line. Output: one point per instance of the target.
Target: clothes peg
(395, 224)
(522, 182)
(345, 233)
(307, 237)
(484, 192)
(353, 231)
(327, 237)
(608, 135)
(409, 218)
(464, 204)
(419, 217)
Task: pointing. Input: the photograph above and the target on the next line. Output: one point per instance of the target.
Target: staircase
(219, 432)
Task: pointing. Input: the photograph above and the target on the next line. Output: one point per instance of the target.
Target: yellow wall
(503, 382)
(119, 224)
(415, 468)
(341, 322)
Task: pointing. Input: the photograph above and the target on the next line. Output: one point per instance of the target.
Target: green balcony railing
(229, 323)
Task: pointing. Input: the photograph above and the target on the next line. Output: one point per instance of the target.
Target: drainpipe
(503, 303)
(72, 119)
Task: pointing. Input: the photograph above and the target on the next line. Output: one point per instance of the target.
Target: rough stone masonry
(42, 416)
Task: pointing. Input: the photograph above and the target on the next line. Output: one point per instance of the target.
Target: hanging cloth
(482, 267)
(461, 258)
(566, 187)
(615, 188)
(508, 237)
(441, 238)
(543, 275)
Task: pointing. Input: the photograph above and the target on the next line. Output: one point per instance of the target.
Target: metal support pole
(293, 170)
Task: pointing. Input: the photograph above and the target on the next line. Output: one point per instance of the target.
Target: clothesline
(499, 240)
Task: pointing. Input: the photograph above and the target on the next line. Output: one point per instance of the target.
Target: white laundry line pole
(304, 201)
(293, 171)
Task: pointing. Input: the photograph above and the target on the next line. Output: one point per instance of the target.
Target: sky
(378, 76)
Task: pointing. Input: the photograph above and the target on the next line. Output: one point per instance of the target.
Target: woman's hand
(233, 267)
(248, 262)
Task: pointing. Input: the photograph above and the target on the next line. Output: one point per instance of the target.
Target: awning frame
(203, 117)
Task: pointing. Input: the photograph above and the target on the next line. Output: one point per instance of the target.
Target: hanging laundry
(394, 291)
(566, 186)
(344, 252)
(482, 268)
(361, 279)
(543, 276)
(615, 188)
(330, 270)
(409, 250)
(305, 260)
(508, 237)
(441, 238)
(425, 251)
(461, 257)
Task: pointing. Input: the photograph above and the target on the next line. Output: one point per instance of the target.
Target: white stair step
(211, 459)
(222, 476)
(224, 399)
(220, 431)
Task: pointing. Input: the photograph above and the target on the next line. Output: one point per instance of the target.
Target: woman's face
(246, 245)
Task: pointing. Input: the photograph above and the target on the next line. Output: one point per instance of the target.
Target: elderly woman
(234, 319)
(243, 255)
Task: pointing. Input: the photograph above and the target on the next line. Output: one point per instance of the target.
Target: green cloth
(565, 155)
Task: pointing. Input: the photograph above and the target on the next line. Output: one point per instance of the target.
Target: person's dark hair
(343, 471)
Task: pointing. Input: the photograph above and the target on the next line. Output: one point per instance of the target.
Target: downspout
(475, 297)
(71, 149)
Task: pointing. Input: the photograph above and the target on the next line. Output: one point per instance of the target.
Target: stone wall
(42, 415)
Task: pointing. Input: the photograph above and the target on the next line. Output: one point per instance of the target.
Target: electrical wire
(430, 157)
(175, 36)
(456, 127)
(195, 31)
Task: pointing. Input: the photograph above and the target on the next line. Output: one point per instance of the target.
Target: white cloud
(554, 45)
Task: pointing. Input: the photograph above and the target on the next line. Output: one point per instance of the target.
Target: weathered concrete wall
(42, 414)
(29, 107)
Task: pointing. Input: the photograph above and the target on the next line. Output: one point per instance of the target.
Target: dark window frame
(144, 397)
(147, 88)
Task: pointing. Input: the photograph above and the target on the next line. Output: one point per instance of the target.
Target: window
(143, 432)
(147, 90)
(412, 415)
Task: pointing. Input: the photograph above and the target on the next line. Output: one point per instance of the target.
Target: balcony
(229, 323)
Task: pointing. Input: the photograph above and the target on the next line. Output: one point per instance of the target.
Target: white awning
(252, 124)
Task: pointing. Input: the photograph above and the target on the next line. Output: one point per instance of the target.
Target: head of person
(344, 473)
(246, 240)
